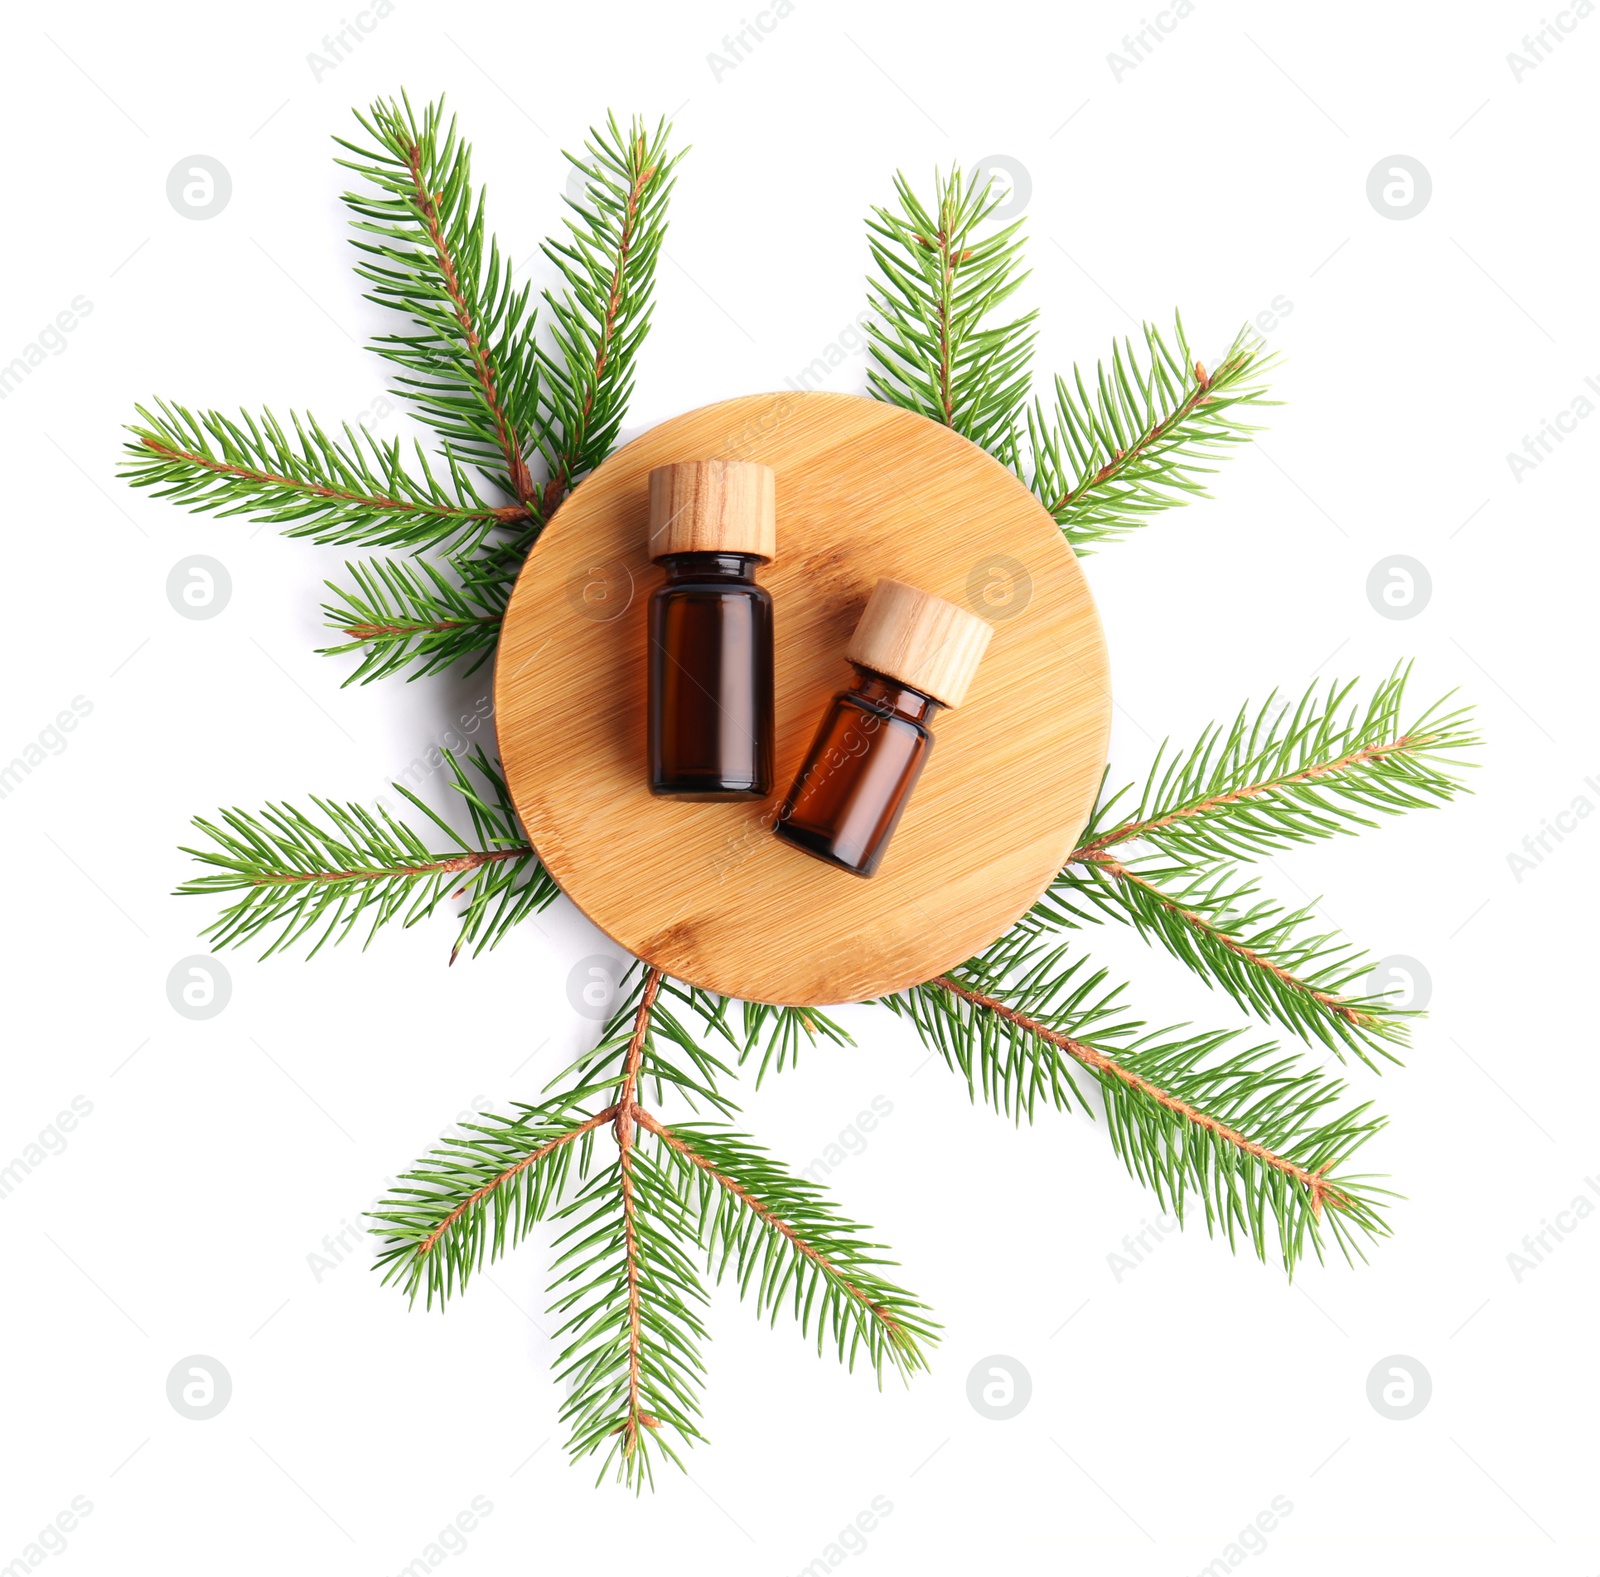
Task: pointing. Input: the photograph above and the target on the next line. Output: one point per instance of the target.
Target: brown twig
(1125, 457)
(947, 267)
(599, 1120)
(949, 261)
(510, 515)
(1142, 829)
(509, 443)
(625, 1113)
(767, 1214)
(461, 862)
(373, 632)
(1108, 1067)
(1334, 1003)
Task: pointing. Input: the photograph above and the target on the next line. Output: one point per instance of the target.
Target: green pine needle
(774, 1036)
(770, 1035)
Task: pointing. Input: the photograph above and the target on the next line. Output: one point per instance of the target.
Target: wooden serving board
(705, 891)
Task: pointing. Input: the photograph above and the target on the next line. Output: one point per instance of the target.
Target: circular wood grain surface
(705, 891)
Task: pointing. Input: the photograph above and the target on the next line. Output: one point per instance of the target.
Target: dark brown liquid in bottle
(868, 753)
(710, 704)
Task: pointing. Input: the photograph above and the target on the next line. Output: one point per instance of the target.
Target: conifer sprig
(782, 1237)
(607, 259)
(632, 1364)
(468, 366)
(633, 1329)
(354, 492)
(1277, 775)
(1284, 774)
(299, 876)
(625, 1283)
(1256, 1141)
(937, 283)
(477, 1194)
(1104, 460)
(1263, 955)
(408, 613)
(1249, 1135)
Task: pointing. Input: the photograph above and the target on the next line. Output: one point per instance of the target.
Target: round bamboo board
(705, 891)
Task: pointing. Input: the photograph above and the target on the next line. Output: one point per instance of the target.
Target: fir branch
(780, 1233)
(634, 1415)
(1254, 949)
(474, 1197)
(408, 613)
(1104, 462)
(608, 262)
(1177, 1124)
(296, 875)
(629, 1293)
(354, 492)
(1285, 775)
(743, 1209)
(1253, 1139)
(937, 284)
(469, 365)
(633, 1329)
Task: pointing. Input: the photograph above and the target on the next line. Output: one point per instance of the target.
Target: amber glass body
(710, 701)
(867, 755)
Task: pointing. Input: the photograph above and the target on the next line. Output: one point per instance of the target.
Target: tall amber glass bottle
(712, 522)
(913, 653)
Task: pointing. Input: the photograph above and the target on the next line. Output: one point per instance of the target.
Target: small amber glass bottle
(710, 690)
(913, 653)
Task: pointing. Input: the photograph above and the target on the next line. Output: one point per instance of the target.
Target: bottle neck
(884, 694)
(739, 568)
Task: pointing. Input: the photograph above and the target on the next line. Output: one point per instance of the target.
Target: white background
(1169, 1407)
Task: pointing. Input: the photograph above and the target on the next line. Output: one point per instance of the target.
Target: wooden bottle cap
(713, 506)
(921, 640)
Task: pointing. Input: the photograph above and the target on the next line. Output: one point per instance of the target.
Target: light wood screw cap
(921, 640)
(713, 506)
